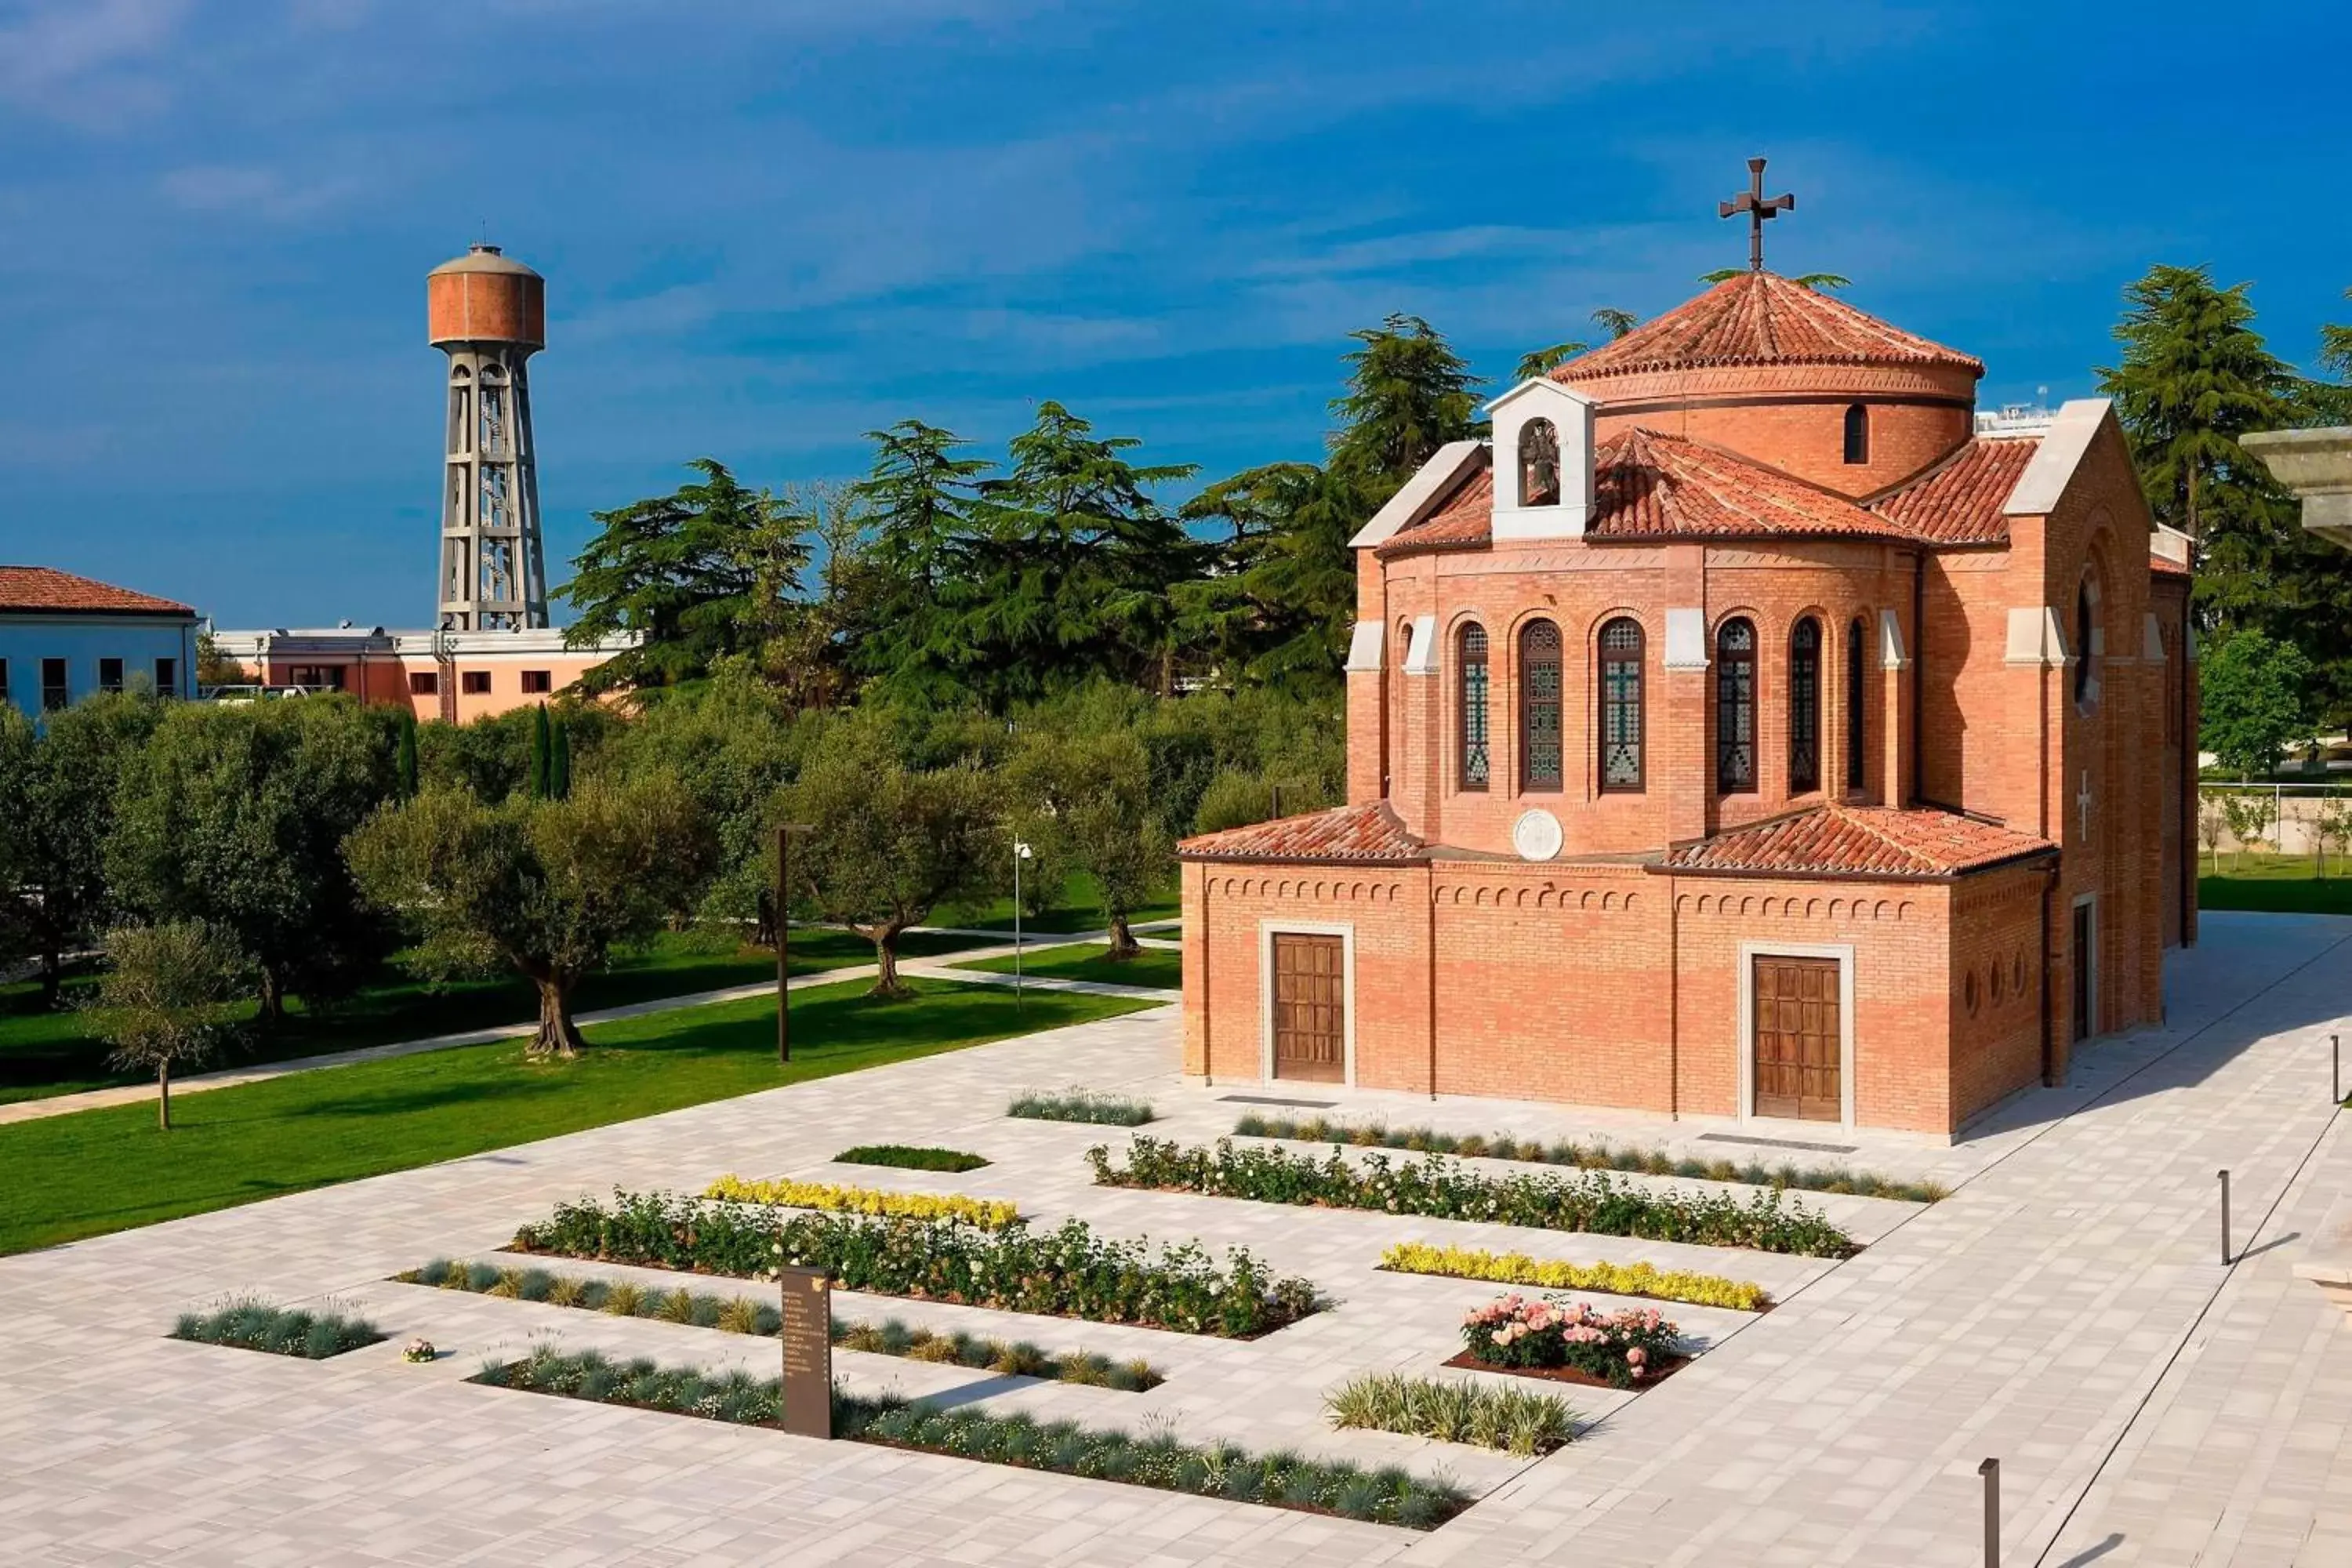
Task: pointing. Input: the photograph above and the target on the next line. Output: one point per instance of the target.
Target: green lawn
(2283, 884)
(43, 1053)
(1076, 910)
(97, 1171)
(1085, 961)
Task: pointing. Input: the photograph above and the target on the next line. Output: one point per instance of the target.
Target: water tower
(488, 313)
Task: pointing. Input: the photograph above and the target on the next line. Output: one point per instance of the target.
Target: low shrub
(907, 1158)
(616, 1298)
(987, 1213)
(1067, 1272)
(1453, 1411)
(1018, 1359)
(1545, 1274)
(1622, 1347)
(1103, 1109)
(1443, 1189)
(258, 1326)
(1594, 1156)
(1385, 1496)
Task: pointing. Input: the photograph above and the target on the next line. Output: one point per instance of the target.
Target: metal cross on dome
(1758, 206)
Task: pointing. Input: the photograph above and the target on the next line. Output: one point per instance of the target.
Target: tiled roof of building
(48, 591)
(1959, 501)
(2165, 566)
(1867, 842)
(1760, 319)
(1649, 486)
(1349, 834)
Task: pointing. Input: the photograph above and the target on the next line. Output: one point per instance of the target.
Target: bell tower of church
(488, 313)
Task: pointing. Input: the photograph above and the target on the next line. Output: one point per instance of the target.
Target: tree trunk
(273, 997)
(164, 1094)
(887, 983)
(53, 973)
(1123, 944)
(557, 1036)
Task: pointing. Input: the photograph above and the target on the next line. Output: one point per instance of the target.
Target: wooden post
(1991, 1471)
(805, 1402)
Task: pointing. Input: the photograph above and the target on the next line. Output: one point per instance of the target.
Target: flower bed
(1387, 1496)
(985, 1213)
(1451, 1411)
(1066, 1272)
(1102, 1110)
(1594, 1156)
(258, 1326)
(1443, 1189)
(741, 1315)
(907, 1158)
(1619, 1349)
(1546, 1274)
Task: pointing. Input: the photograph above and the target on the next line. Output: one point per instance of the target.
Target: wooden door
(2085, 967)
(1798, 1039)
(1310, 1008)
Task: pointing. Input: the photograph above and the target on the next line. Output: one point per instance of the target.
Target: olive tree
(1094, 790)
(545, 887)
(169, 996)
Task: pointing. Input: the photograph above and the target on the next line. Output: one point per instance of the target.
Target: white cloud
(249, 191)
(70, 59)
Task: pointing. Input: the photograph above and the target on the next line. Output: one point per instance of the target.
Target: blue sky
(769, 228)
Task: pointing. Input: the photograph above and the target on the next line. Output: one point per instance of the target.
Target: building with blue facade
(63, 637)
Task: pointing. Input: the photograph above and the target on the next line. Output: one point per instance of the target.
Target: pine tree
(918, 496)
(1276, 610)
(1614, 321)
(1408, 395)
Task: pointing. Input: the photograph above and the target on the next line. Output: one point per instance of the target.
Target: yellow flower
(988, 1214)
(1613, 1278)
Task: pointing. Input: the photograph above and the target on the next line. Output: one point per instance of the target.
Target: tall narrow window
(1857, 434)
(1475, 753)
(1621, 706)
(1857, 704)
(1735, 708)
(109, 675)
(1538, 464)
(1805, 707)
(54, 692)
(167, 677)
(2086, 680)
(1540, 734)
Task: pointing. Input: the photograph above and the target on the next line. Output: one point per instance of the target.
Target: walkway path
(932, 968)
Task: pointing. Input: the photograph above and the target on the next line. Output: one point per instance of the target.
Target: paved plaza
(2066, 1310)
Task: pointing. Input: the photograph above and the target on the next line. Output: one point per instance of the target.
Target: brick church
(1749, 731)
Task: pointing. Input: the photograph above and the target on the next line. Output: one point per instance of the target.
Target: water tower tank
(485, 296)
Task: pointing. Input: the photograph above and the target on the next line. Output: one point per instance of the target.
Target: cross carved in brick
(1759, 207)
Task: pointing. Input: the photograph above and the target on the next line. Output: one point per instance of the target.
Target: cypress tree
(540, 753)
(559, 763)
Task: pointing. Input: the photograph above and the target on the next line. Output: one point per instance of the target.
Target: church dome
(1760, 319)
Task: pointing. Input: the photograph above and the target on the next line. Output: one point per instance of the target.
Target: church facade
(1748, 731)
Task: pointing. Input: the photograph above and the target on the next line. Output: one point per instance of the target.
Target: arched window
(1857, 704)
(1538, 464)
(2087, 644)
(1540, 733)
(1857, 434)
(1620, 705)
(1735, 708)
(1474, 758)
(1805, 707)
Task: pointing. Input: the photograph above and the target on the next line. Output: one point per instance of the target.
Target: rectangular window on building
(54, 694)
(4, 681)
(109, 675)
(475, 682)
(424, 683)
(167, 677)
(537, 681)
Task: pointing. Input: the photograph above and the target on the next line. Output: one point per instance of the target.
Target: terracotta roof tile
(1351, 834)
(1958, 501)
(1857, 841)
(2165, 566)
(42, 588)
(1760, 318)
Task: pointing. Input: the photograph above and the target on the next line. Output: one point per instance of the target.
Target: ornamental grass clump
(907, 1157)
(1547, 1274)
(1598, 1156)
(1017, 1359)
(1444, 1189)
(1390, 1495)
(249, 1325)
(1621, 1347)
(1102, 1110)
(1452, 1410)
(985, 1212)
(1067, 1271)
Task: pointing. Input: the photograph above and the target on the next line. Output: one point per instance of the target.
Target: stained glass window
(1475, 750)
(1857, 704)
(1620, 705)
(1735, 708)
(1805, 707)
(1539, 718)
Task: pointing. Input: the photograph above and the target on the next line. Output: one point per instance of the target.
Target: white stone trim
(1750, 951)
(1267, 930)
(2054, 462)
(1685, 640)
(1891, 655)
(1364, 648)
(1421, 646)
(2034, 636)
(1435, 478)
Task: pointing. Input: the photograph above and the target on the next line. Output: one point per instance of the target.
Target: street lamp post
(1019, 852)
(784, 832)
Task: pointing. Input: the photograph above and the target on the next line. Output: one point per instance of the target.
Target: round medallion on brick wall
(1536, 836)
